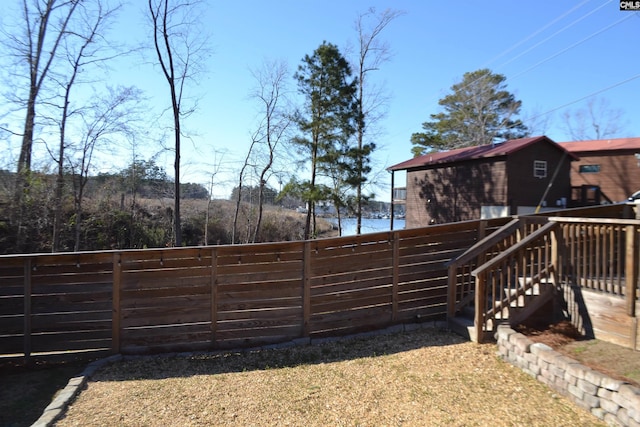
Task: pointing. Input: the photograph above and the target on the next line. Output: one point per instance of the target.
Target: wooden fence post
(27, 310)
(631, 269)
(396, 262)
(116, 271)
(306, 289)
(214, 295)
(480, 304)
(452, 283)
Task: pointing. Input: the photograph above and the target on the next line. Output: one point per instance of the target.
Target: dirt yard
(611, 359)
(426, 377)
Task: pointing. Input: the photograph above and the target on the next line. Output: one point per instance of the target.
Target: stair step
(465, 327)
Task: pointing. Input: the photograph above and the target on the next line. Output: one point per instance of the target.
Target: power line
(602, 30)
(549, 38)
(556, 33)
(535, 33)
(587, 96)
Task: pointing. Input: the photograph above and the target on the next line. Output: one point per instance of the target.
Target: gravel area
(419, 378)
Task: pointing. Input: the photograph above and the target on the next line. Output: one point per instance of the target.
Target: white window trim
(540, 168)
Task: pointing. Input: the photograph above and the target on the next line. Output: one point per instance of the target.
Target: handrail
(489, 287)
(616, 221)
(545, 229)
(486, 243)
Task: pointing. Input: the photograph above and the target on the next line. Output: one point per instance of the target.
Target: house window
(589, 168)
(400, 193)
(540, 168)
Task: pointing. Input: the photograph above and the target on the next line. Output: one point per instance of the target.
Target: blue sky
(554, 54)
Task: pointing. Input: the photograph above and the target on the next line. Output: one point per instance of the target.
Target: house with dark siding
(610, 166)
(514, 177)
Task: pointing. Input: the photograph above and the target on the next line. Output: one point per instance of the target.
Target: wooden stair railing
(461, 288)
(498, 281)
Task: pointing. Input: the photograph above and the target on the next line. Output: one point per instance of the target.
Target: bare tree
(596, 121)
(217, 167)
(271, 95)
(372, 53)
(104, 119)
(35, 44)
(82, 50)
(241, 179)
(180, 48)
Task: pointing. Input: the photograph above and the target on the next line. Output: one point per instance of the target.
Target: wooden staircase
(505, 278)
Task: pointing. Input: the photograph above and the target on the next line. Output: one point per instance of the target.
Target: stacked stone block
(614, 401)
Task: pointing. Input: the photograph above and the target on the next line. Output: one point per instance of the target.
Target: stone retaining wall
(614, 401)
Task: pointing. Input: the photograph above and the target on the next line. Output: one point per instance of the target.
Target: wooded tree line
(58, 51)
(57, 56)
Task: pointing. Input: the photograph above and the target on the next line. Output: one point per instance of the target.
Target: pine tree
(479, 111)
(326, 121)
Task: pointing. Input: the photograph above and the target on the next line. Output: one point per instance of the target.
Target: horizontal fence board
(156, 334)
(435, 245)
(71, 288)
(350, 321)
(350, 282)
(356, 261)
(11, 305)
(10, 344)
(238, 339)
(264, 287)
(414, 312)
(66, 322)
(410, 290)
(260, 277)
(351, 303)
(373, 272)
(347, 241)
(81, 258)
(136, 297)
(259, 258)
(289, 314)
(412, 275)
(262, 325)
(374, 247)
(71, 275)
(75, 340)
(170, 303)
(354, 298)
(166, 314)
(238, 296)
(13, 289)
(50, 305)
(12, 324)
(165, 277)
(259, 304)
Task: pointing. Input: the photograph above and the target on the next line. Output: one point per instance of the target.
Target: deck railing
(501, 274)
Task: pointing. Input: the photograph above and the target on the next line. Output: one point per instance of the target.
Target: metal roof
(472, 153)
(601, 145)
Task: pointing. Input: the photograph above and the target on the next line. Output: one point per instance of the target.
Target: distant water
(368, 225)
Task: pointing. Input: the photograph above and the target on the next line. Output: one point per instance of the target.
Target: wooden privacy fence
(95, 303)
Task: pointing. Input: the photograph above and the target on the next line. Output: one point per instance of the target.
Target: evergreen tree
(479, 111)
(326, 121)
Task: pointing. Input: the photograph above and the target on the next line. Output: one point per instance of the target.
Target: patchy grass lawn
(426, 377)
